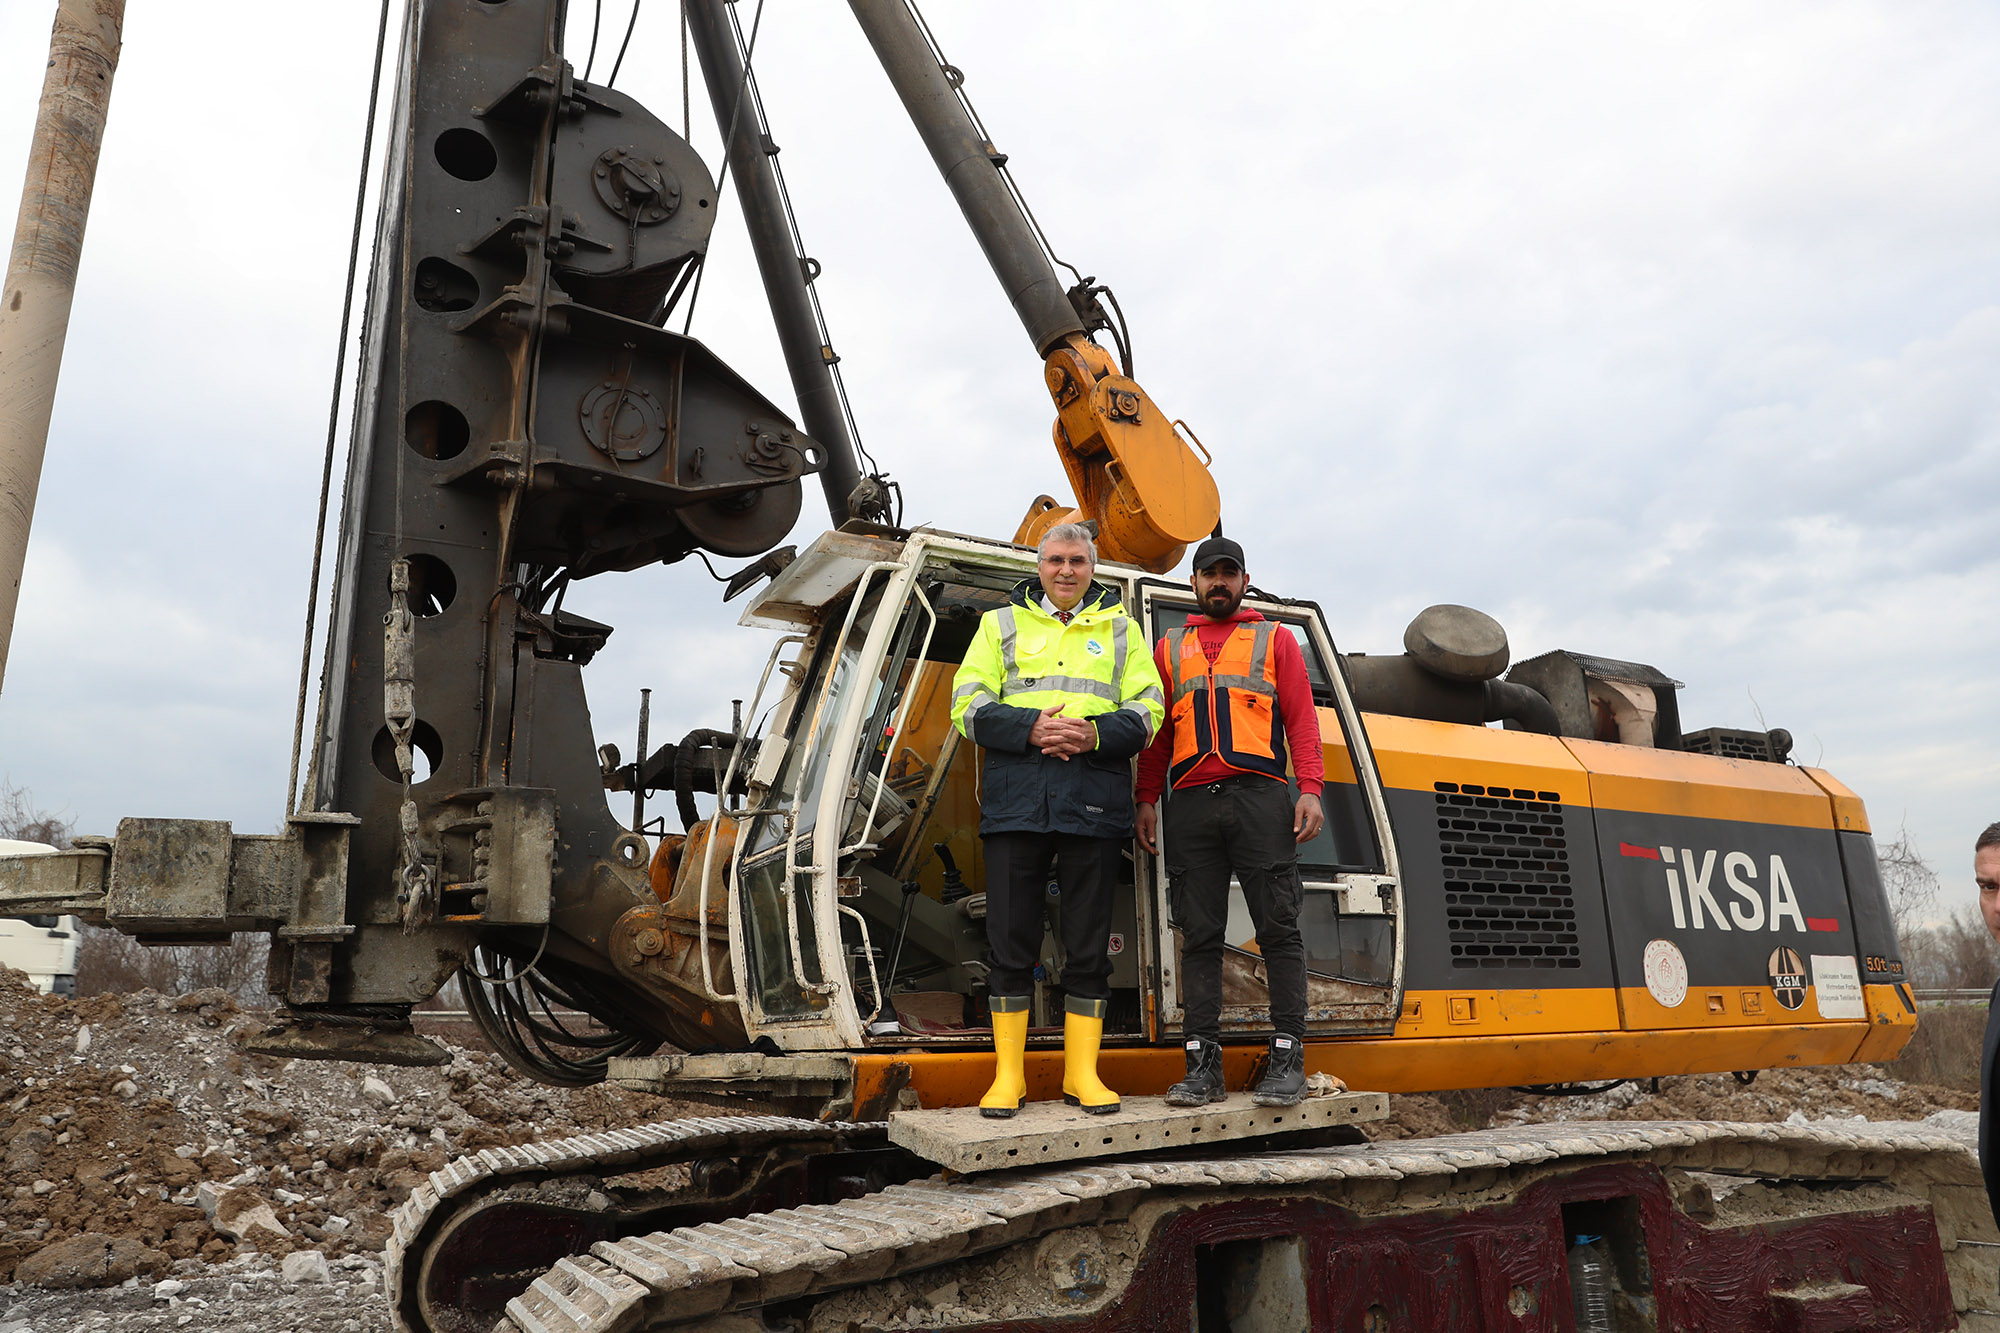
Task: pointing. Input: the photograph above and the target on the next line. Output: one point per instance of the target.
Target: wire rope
(956, 78)
(333, 412)
(596, 22)
(619, 63)
(728, 138)
(799, 248)
(1120, 332)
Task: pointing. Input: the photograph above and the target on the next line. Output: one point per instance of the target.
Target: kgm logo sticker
(1788, 977)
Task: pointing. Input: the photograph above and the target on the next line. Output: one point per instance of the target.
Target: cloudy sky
(1659, 332)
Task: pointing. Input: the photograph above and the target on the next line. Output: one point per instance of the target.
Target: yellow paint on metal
(1699, 786)
(1891, 1024)
(1424, 1064)
(1131, 470)
(1416, 755)
(1849, 815)
(1430, 1013)
(1717, 1007)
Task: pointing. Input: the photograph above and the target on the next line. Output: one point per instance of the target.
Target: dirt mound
(137, 1126)
(154, 1174)
(1775, 1094)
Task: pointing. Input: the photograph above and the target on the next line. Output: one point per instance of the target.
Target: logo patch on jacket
(1096, 649)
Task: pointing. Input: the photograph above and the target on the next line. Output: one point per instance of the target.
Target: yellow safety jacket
(1023, 660)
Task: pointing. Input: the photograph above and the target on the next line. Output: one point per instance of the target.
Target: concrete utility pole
(41, 272)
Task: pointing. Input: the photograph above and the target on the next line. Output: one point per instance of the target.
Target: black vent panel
(1733, 744)
(1507, 893)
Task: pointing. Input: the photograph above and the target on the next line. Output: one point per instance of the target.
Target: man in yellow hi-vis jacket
(1060, 690)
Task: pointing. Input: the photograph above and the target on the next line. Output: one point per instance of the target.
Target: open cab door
(875, 939)
(1352, 913)
(856, 889)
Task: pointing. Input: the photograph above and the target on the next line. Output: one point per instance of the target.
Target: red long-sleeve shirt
(1295, 706)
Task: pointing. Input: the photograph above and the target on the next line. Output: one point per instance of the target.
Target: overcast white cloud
(1662, 332)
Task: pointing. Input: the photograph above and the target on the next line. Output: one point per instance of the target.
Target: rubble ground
(153, 1174)
(1831, 1093)
(142, 1147)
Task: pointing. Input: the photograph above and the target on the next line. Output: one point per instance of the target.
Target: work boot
(1284, 1081)
(1203, 1083)
(1083, 1033)
(1009, 1092)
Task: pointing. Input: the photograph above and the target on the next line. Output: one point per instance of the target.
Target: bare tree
(1945, 947)
(1912, 886)
(22, 819)
(1954, 954)
(110, 961)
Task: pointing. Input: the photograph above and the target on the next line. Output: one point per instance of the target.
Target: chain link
(416, 884)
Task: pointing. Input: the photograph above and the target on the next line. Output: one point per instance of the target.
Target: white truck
(44, 947)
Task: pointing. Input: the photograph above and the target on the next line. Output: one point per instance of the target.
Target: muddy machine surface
(1587, 892)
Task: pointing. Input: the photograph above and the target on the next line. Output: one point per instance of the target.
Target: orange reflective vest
(1228, 707)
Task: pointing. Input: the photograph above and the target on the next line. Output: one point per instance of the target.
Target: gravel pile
(154, 1174)
(252, 1293)
(1815, 1094)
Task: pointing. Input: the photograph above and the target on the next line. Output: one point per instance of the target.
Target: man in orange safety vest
(1239, 714)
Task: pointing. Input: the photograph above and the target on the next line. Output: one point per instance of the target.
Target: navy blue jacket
(1098, 667)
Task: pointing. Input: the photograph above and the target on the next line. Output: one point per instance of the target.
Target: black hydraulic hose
(684, 771)
(885, 1004)
(1511, 702)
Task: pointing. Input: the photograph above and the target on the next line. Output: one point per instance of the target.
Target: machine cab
(856, 888)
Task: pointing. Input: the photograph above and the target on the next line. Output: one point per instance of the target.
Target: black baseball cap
(1217, 549)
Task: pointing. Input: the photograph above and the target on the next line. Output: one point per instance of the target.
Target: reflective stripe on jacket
(1023, 660)
(1228, 707)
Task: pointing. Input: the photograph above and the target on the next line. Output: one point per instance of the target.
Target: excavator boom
(1130, 470)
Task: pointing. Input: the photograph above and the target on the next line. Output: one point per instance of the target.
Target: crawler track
(1876, 1213)
(446, 1210)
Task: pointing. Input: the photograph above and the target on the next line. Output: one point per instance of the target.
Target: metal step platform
(959, 1138)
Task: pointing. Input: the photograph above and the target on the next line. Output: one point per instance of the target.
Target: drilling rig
(1588, 891)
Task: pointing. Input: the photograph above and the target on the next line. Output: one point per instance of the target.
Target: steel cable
(333, 413)
(728, 138)
(799, 247)
(596, 22)
(619, 63)
(1120, 332)
(956, 78)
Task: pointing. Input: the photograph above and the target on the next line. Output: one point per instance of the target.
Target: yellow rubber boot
(1083, 1033)
(1010, 1046)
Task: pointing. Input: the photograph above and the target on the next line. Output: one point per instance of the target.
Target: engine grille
(1507, 892)
(1731, 744)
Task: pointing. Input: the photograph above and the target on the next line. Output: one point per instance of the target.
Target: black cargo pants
(1017, 883)
(1241, 825)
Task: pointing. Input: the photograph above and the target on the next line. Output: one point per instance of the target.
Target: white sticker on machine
(1666, 973)
(1837, 986)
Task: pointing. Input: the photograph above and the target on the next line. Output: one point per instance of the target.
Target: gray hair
(1068, 532)
(1990, 838)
